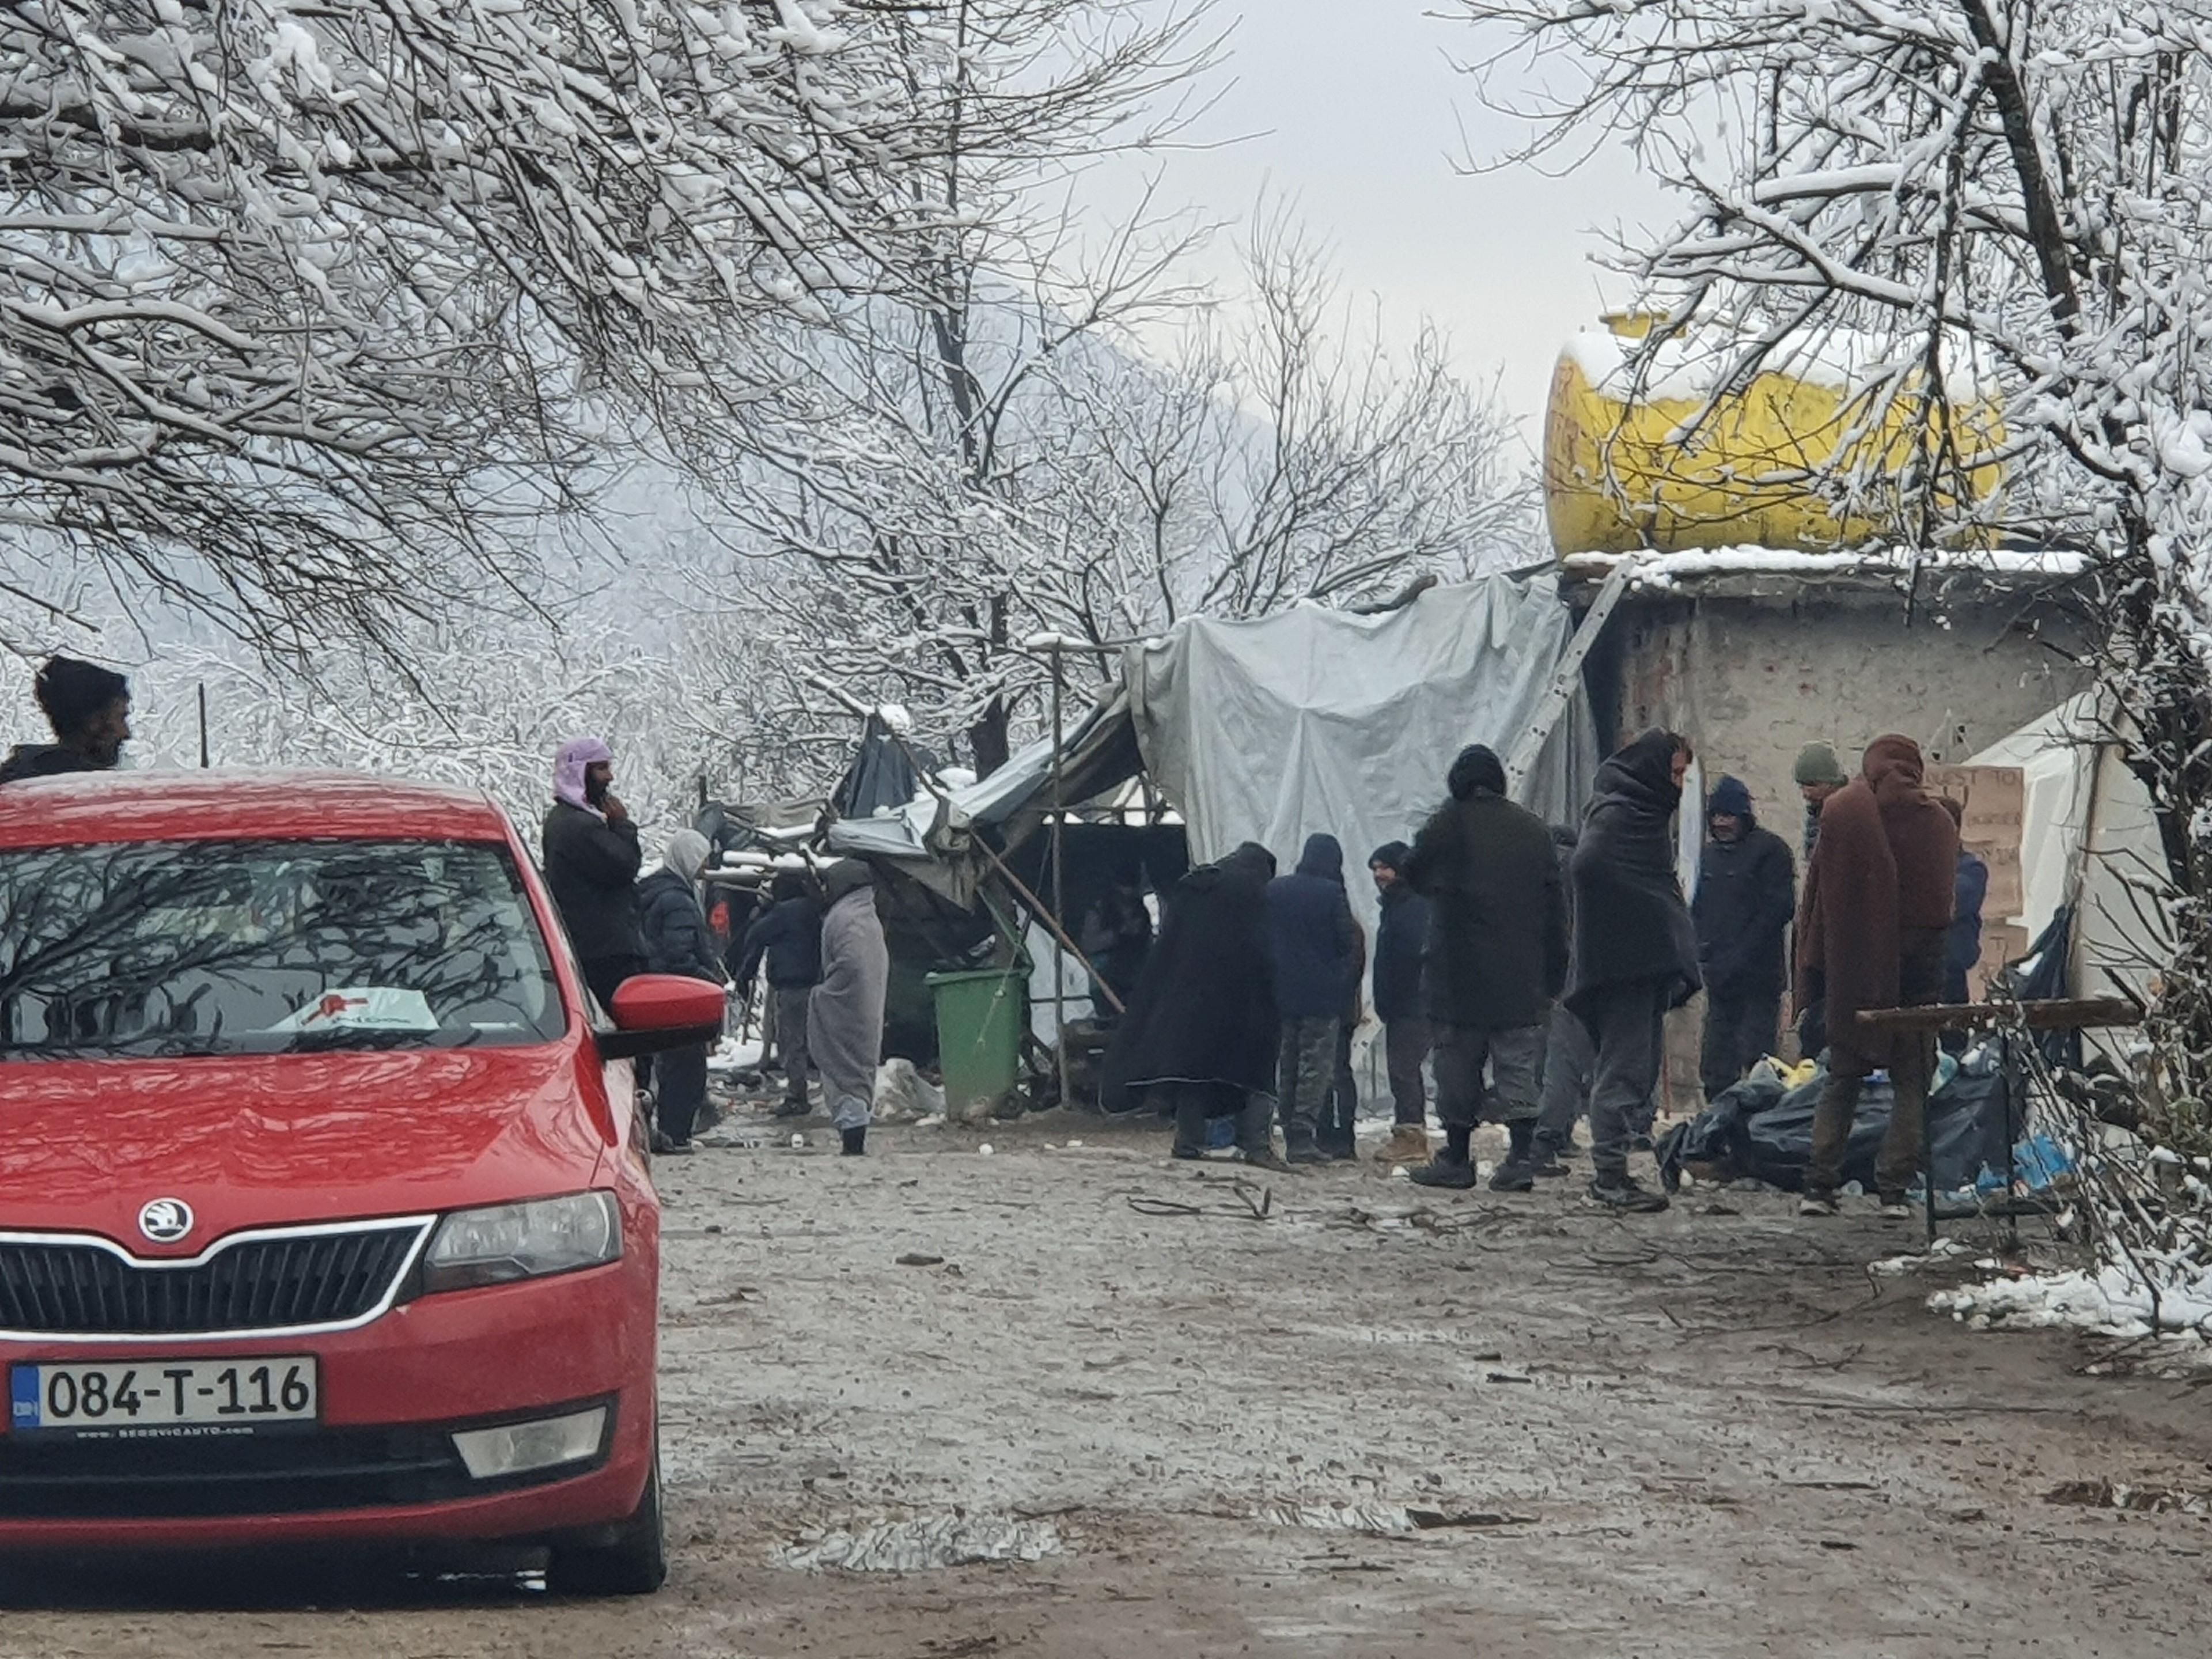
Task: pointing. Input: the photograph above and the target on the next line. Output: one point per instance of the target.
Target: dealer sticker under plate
(163, 1398)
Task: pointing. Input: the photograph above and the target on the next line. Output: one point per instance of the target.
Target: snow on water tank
(1662, 460)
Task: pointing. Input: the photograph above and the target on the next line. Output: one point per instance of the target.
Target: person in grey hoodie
(845, 1014)
(677, 940)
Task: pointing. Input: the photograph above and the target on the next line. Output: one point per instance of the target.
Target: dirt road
(1701, 1434)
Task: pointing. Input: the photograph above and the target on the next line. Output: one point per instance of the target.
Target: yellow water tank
(1665, 466)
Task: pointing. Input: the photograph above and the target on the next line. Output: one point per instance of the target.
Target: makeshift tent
(2087, 838)
(1272, 729)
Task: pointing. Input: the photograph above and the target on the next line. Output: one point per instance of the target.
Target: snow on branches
(2020, 187)
(297, 300)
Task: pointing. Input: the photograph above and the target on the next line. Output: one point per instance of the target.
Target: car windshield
(230, 947)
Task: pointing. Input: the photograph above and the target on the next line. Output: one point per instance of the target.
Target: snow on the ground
(2111, 1301)
(732, 1055)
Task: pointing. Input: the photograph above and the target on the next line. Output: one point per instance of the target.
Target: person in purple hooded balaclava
(592, 858)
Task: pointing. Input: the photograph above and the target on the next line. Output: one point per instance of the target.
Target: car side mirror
(657, 1012)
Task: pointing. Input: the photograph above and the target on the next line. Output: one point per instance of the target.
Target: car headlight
(507, 1241)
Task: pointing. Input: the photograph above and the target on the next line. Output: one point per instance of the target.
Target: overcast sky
(1359, 124)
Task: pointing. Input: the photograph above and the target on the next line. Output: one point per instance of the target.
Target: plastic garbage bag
(1758, 1130)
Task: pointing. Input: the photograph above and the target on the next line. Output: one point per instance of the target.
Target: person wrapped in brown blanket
(1872, 935)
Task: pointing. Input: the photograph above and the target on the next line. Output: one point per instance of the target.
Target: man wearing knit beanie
(1819, 775)
(89, 708)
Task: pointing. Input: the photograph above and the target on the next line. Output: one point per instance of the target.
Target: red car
(322, 1214)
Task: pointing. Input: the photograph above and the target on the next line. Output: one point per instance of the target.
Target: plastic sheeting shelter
(2088, 837)
(1318, 719)
(1273, 729)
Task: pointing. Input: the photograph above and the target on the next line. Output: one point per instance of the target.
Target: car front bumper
(380, 1466)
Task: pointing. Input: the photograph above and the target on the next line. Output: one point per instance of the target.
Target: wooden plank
(1565, 678)
(2046, 1014)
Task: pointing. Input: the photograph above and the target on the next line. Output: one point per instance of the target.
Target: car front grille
(280, 1473)
(268, 1282)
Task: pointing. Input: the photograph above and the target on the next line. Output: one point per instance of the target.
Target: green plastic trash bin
(980, 1016)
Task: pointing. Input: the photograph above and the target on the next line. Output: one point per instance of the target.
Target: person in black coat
(788, 937)
(1497, 957)
(672, 929)
(1318, 955)
(1746, 894)
(1199, 1037)
(1635, 948)
(1569, 1059)
(592, 859)
(89, 708)
(1115, 938)
(1401, 939)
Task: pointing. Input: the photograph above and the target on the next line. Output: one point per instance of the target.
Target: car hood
(268, 1140)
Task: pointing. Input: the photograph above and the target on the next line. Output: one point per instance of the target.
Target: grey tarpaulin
(1267, 731)
(1319, 720)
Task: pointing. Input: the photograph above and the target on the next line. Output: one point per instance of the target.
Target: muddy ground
(1708, 1433)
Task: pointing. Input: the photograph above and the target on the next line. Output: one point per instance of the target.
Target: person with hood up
(789, 938)
(1497, 959)
(89, 708)
(592, 859)
(1635, 949)
(845, 1011)
(1198, 1039)
(1884, 879)
(1401, 941)
(677, 939)
(1318, 952)
(1746, 894)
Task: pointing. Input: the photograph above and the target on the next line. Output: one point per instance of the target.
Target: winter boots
(1518, 1173)
(856, 1141)
(1408, 1143)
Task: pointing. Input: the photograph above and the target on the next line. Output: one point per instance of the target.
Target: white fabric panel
(2088, 834)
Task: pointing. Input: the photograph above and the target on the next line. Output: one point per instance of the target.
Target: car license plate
(162, 1398)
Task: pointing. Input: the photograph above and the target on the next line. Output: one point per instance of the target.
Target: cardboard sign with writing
(1995, 802)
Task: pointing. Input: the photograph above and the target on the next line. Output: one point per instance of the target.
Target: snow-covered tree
(303, 301)
(2022, 187)
(1279, 455)
(892, 464)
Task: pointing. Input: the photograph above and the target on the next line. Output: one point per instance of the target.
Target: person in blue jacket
(1963, 949)
(1746, 894)
(788, 937)
(1317, 950)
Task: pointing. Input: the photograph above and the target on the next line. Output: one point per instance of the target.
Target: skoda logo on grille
(165, 1220)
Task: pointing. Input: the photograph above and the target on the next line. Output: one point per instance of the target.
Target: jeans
(1740, 1028)
(1568, 1060)
(1920, 981)
(791, 1039)
(1515, 1058)
(681, 1074)
(1405, 1044)
(1628, 1023)
(1194, 1104)
(1305, 1070)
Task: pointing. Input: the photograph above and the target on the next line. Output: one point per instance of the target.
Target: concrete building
(1752, 654)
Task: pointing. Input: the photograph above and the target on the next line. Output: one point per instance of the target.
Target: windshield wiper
(338, 1040)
